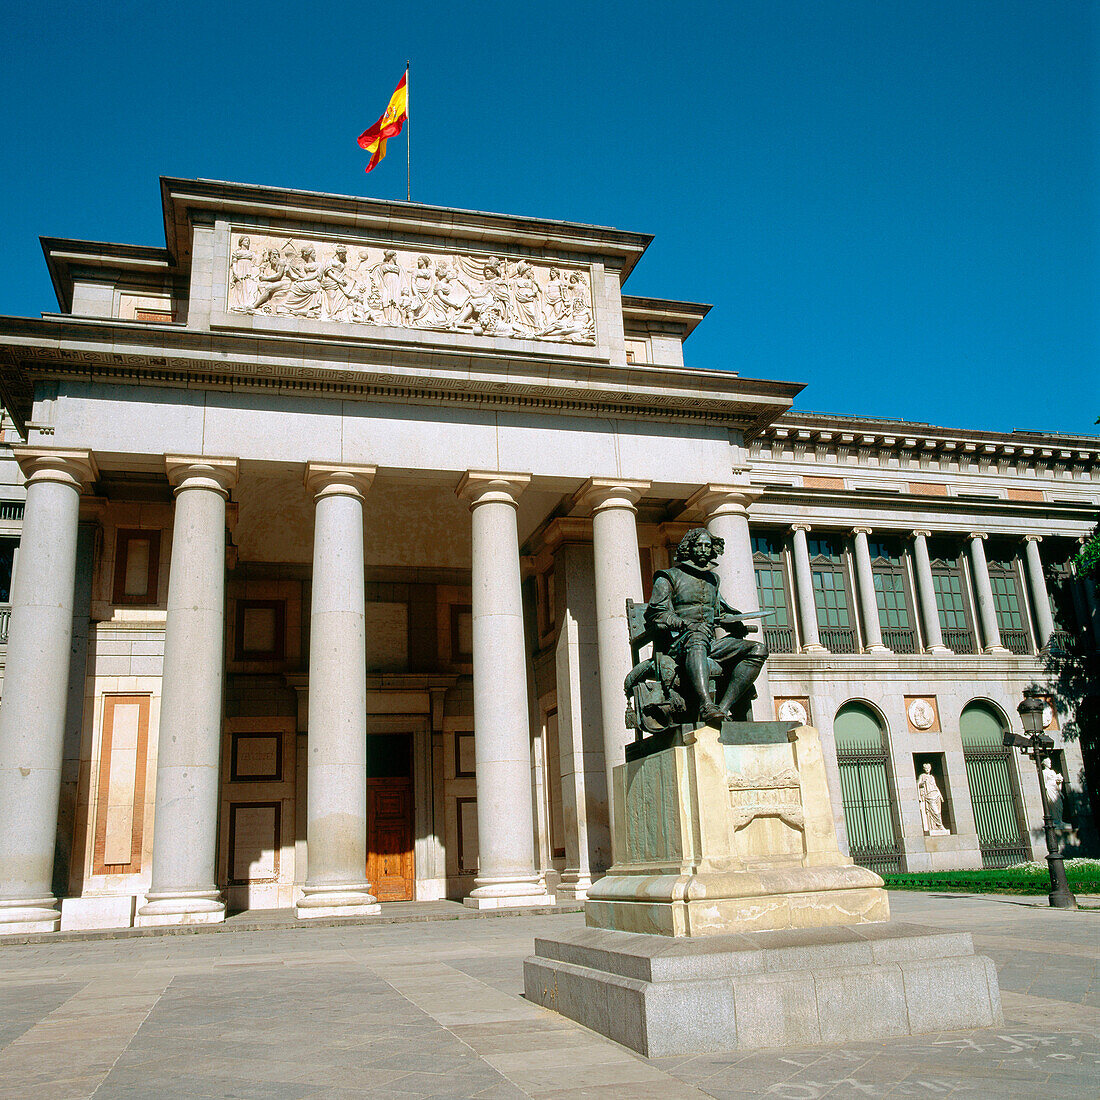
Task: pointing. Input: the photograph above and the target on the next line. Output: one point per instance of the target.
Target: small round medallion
(922, 714)
(791, 710)
(1048, 716)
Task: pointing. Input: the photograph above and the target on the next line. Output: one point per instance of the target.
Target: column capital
(218, 474)
(922, 533)
(863, 531)
(601, 493)
(326, 479)
(1033, 538)
(491, 486)
(716, 500)
(70, 466)
(801, 527)
(978, 535)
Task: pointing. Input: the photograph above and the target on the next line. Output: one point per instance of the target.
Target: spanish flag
(389, 125)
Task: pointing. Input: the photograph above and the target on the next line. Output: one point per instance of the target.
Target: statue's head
(927, 769)
(1046, 762)
(699, 547)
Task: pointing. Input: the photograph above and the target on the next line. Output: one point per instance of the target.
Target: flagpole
(408, 139)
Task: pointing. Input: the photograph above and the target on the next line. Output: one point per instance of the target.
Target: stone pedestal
(731, 920)
(662, 996)
(716, 834)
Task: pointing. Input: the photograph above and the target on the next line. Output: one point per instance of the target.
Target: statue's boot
(745, 672)
(711, 715)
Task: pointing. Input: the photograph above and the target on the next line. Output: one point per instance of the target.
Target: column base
(20, 916)
(197, 907)
(352, 899)
(997, 649)
(814, 649)
(878, 649)
(508, 894)
(574, 888)
(939, 650)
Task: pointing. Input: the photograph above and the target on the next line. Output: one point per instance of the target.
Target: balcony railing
(1060, 641)
(958, 641)
(1016, 641)
(779, 639)
(900, 639)
(5, 619)
(838, 639)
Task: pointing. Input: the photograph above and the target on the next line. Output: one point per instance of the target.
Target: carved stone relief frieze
(369, 285)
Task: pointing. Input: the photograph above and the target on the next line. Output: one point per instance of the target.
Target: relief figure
(303, 299)
(243, 284)
(337, 289)
(274, 282)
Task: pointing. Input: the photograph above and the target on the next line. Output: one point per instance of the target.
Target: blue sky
(894, 202)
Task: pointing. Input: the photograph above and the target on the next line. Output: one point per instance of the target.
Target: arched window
(865, 788)
(992, 791)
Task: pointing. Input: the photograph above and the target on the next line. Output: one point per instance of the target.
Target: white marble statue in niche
(480, 295)
(931, 803)
(1053, 782)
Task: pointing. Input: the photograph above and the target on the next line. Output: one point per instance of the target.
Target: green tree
(1073, 665)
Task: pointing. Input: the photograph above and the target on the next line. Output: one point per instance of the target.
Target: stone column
(726, 513)
(804, 591)
(185, 825)
(872, 629)
(926, 594)
(1040, 600)
(502, 737)
(36, 686)
(580, 724)
(618, 577)
(987, 612)
(336, 740)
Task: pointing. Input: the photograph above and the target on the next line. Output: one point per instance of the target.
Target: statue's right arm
(659, 611)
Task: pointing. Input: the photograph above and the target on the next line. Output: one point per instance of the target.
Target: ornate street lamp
(1036, 744)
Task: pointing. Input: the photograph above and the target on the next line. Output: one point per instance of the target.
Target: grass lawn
(1025, 878)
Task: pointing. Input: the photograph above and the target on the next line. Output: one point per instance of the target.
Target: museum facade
(320, 521)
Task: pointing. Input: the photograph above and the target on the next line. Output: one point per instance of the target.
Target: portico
(313, 661)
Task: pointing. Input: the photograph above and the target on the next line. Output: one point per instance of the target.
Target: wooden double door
(390, 839)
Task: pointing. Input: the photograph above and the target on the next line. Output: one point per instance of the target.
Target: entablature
(939, 457)
(54, 349)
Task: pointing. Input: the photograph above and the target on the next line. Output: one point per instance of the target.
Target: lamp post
(1035, 743)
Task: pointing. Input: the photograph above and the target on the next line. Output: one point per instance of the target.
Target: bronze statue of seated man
(683, 618)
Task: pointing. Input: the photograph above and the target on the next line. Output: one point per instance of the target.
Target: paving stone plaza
(434, 1008)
